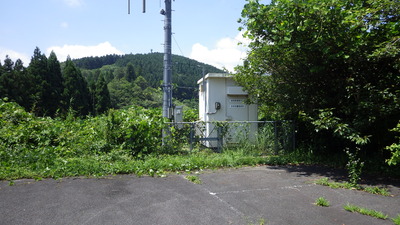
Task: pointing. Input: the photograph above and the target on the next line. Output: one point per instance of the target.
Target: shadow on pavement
(339, 175)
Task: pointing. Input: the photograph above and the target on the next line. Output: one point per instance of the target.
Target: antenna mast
(167, 85)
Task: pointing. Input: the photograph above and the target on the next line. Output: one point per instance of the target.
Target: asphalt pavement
(252, 195)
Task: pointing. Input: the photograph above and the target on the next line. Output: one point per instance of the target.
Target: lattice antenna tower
(167, 76)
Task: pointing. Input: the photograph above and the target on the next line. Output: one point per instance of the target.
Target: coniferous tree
(76, 90)
(54, 91)
(92, 92)
(6, 78)
(8, 64)
(130, 74)
(102, 100)
(38, 72)
(21, 85)
(19, 65)
(14, 83)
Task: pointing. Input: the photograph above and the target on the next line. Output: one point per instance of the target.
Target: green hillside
(92, 85)
(122, 72)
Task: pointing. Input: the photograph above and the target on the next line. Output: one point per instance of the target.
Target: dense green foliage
(122, 141)
(333, 65)
(76, 91)
(27, 141)
(336, 63)
(395, 148)
(15, 83)
(119, 141)
(101, 96)
(48, 89)
(92, 85)
(53, 98)
(119, 69)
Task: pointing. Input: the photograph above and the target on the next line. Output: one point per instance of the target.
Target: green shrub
(395, 148)
(321, 201)
(354, 167)
(26, 140)
(136, 130)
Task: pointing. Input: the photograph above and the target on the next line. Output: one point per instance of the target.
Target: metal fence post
(192, 127)
(219, 139)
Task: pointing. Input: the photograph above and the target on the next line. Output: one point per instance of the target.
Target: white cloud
(226, 53)
(74, 3)
(79, 51)
(14, 55)
(64, 25)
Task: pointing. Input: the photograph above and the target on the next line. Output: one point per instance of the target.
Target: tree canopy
(76, 90)
(336, 63)
(92, 85)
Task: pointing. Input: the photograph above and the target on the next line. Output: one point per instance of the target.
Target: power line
(173, 35)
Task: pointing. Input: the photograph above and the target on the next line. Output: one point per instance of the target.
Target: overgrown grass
(365, 211)
(346, 185)
(119, 142)
(153, 165)
(194, 179)
(321, 201)
(124, 141)
(396, 220)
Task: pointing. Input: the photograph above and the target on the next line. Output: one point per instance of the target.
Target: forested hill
(185, 72)
(92, 85)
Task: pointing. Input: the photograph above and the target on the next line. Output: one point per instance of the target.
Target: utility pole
(167, 84)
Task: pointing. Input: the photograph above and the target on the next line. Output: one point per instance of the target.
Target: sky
(204, 30)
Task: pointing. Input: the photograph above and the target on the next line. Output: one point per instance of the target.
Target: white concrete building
(222, 99)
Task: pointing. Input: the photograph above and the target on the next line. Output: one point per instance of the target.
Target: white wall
(223, 89)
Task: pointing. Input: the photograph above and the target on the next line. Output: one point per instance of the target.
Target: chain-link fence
(264, 136)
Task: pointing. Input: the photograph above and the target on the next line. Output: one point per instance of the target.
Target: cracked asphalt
(251, 195)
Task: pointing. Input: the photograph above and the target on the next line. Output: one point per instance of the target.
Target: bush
(136, 130)
(395, 148)
(26, 140)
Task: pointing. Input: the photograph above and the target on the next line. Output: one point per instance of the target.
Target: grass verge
(365, 211)
(346, 185)
(152, 165)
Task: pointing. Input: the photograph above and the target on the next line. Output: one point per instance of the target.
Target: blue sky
(205, 30)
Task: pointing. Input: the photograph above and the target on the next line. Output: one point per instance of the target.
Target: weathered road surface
(275, 195)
